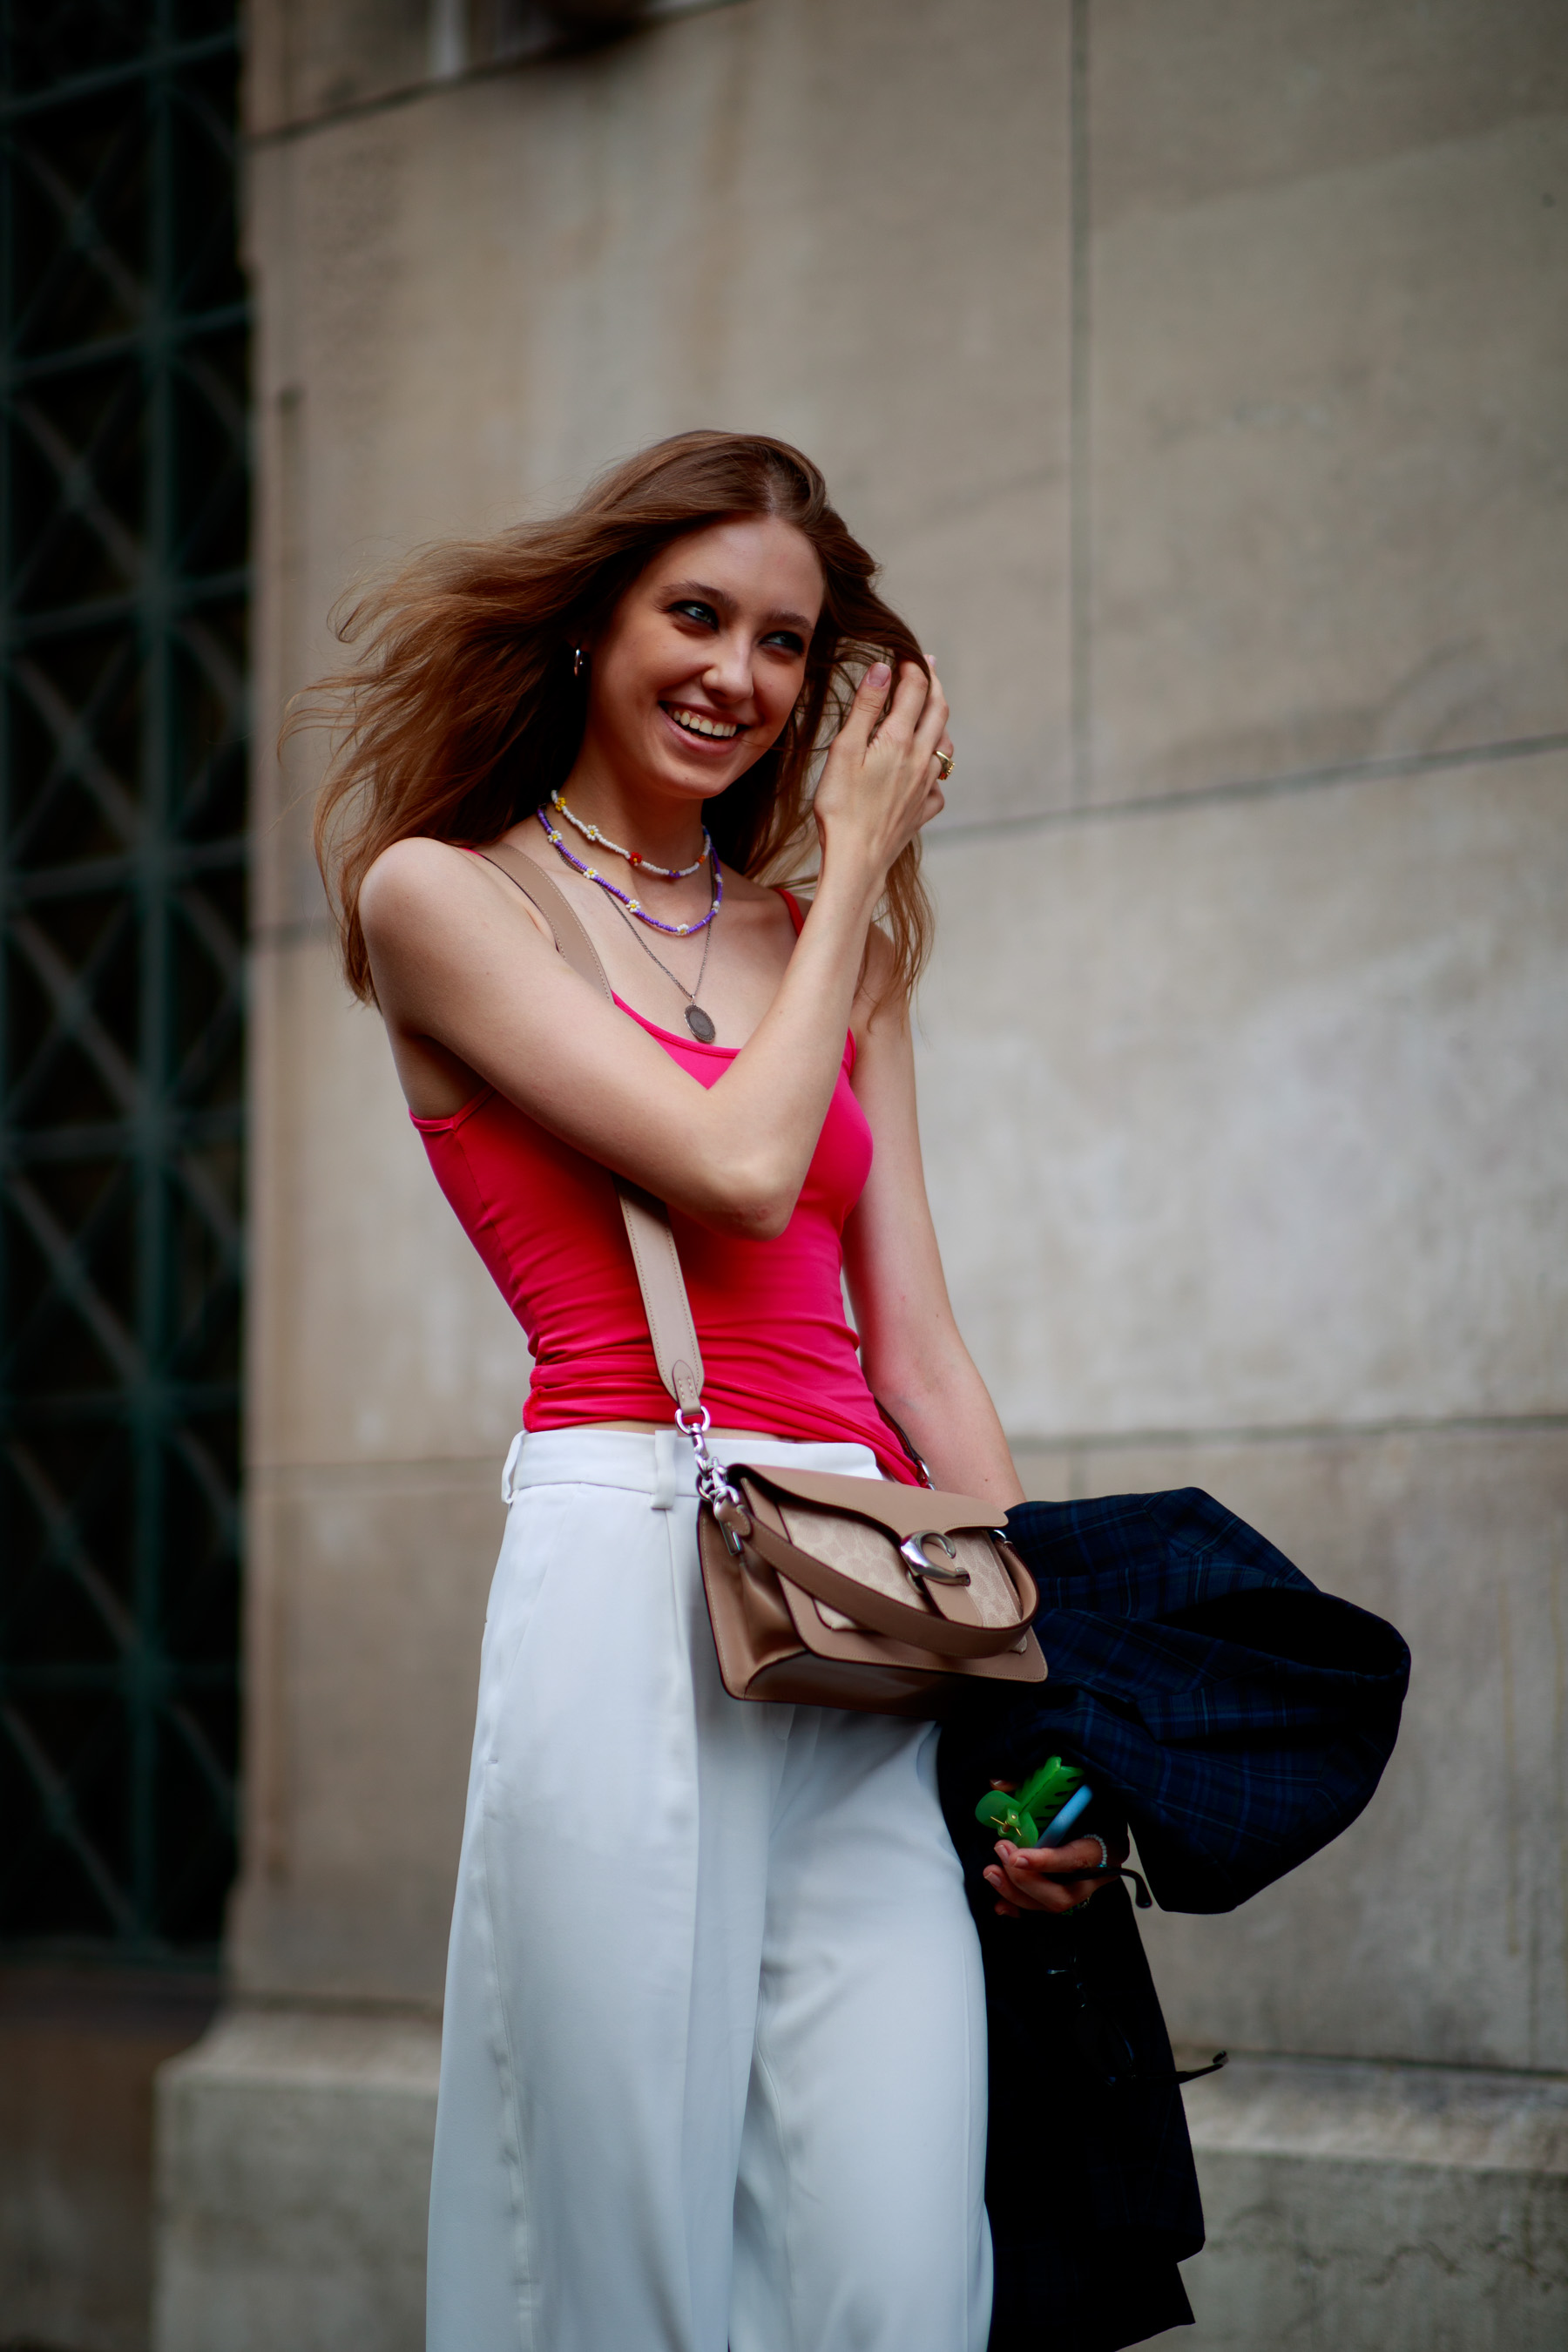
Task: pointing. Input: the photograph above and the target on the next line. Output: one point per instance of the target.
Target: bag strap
(653, 1252)
(929, 1628)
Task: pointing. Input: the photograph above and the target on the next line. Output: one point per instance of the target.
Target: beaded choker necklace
(635, 906)
(633, 857)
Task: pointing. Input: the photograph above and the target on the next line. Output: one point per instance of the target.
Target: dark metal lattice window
(124, 520)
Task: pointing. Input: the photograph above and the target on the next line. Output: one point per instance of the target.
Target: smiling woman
(677, 2104)
(473, 700)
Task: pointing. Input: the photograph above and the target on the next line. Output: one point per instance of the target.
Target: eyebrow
(781, 619)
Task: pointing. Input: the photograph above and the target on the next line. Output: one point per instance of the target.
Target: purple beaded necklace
(635, 906)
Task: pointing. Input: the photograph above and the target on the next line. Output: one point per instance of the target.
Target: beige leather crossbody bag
(823, 1591)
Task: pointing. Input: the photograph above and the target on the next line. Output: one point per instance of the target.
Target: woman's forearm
(946, 1410)
(777, 1090)
(766, 1111)
(911, 1347)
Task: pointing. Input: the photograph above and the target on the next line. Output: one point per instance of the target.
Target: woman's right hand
(878, 784)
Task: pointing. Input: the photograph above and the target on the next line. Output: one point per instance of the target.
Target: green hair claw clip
(1019, 1817)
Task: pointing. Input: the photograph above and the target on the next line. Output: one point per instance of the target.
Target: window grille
(123, 523)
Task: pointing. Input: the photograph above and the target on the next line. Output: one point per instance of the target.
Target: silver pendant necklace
(700, 1022)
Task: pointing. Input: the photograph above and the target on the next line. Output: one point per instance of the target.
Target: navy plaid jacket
(1237, 1719)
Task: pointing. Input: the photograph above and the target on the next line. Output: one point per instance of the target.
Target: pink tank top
(777, 1353)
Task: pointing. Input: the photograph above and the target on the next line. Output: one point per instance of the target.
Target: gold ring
(943, 766)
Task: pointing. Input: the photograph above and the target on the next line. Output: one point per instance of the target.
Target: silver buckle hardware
(733, 1522)
(730, 1512)
(911, 1551)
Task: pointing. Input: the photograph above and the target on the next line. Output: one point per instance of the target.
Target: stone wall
(1199, 372)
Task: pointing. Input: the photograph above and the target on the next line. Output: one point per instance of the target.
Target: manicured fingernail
(878, 674)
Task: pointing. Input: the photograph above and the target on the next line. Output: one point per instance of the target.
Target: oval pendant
(700, 1024)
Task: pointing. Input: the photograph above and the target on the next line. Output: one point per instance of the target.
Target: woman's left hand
(1042, 1877)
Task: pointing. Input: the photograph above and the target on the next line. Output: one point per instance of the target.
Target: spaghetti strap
(793, 903)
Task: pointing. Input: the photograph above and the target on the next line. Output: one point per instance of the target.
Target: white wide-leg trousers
(714, 2059)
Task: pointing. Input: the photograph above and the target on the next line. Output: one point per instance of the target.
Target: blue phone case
(1056, 1830)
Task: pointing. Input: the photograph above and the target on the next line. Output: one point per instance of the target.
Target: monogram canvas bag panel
(899, 1511)
(1020, 1661)
(862, 1551)
(855, 1526)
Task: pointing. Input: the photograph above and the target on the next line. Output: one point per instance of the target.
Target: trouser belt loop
(669, 1446)
(512, 1452)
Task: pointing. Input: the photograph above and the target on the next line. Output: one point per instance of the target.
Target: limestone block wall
(1277, 1159)
(1199, 373)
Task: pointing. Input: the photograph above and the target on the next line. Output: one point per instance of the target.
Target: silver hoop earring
(579, 661)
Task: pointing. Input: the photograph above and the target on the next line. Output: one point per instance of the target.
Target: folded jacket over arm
(1237, 1719)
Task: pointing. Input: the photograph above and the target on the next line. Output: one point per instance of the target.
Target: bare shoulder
(411, 881)
(417, 884)
(739, 890)
(757, 912)
(741, 887)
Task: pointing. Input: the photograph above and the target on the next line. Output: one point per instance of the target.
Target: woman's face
(703, 657)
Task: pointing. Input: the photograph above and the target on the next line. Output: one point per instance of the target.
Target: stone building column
(1200, 374)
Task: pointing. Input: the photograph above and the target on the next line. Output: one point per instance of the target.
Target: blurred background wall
(1198, 370)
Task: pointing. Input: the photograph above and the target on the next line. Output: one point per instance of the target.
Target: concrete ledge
(1398, 2209)
(293, 2177)
(1352, 2208)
